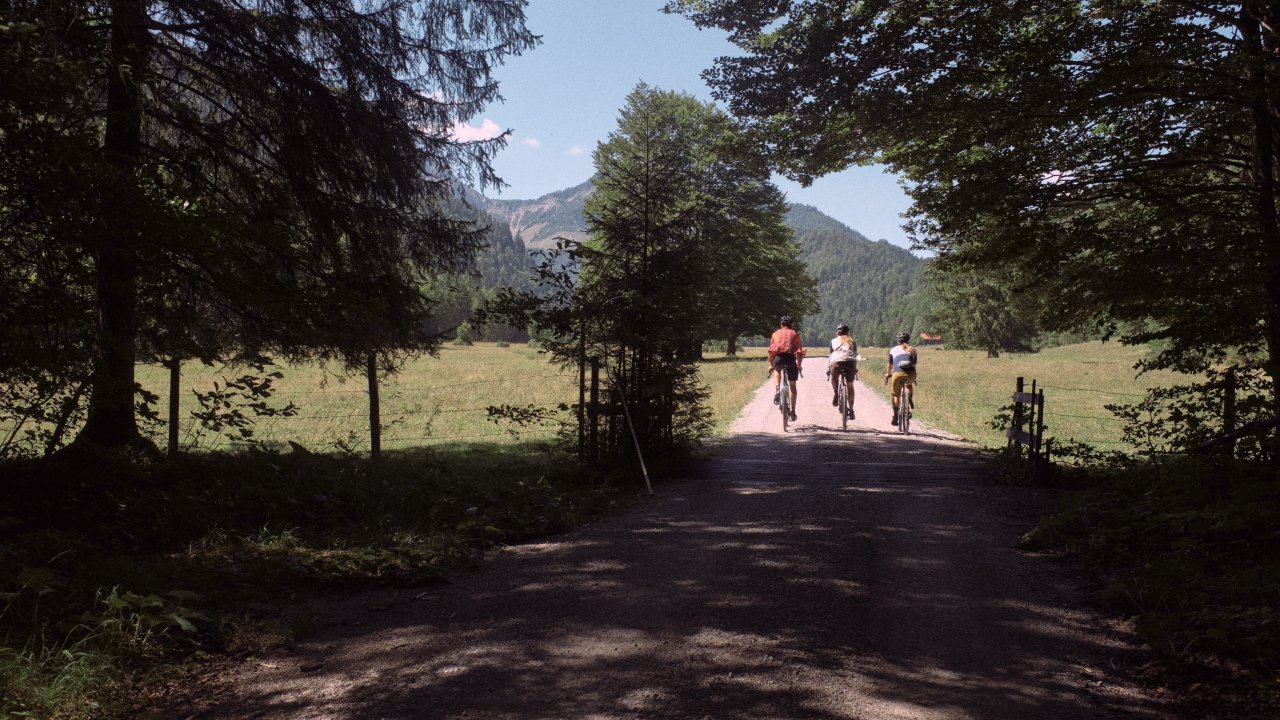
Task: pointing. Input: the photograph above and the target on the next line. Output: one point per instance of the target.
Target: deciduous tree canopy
(1121, 155)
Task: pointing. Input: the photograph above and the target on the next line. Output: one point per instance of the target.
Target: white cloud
(488, 130)
(576, 150)
(534, 143)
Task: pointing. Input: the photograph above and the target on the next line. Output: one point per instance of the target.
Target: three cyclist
(786, 353)
(842, 363)
(901, 370)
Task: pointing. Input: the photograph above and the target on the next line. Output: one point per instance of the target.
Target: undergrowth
(112, 571)
(1189, 547)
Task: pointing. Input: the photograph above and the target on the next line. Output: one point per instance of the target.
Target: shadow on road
(803, 576)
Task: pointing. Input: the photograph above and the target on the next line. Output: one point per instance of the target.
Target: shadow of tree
(806, 576)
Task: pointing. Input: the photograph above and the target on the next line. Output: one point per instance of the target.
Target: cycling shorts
(786, 361)
(898, 380)
(848, 368)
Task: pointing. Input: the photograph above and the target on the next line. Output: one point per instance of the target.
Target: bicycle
(784, 397)
(905, 404)
(782, 394)
(843, 401)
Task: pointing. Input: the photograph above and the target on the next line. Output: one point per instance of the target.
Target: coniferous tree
(687, 243)
(263, 175)
(973, 310)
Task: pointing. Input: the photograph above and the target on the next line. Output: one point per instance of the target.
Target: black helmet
(903, 337)
(786, 320)
(842, 329)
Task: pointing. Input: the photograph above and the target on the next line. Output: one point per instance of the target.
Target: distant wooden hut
(927, 339)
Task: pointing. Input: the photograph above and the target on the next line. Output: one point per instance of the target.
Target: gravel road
(812, 574)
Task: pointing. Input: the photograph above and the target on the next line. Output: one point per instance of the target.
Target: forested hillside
(875, 287)
(502, 262)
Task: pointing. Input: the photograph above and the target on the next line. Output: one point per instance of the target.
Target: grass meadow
(961, 391)
(431, 401)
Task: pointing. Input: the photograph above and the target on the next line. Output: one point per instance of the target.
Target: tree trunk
(175, 402)
(993, 352)
(375, 408)
(111, 421)
(732, 347)
(1263, 104)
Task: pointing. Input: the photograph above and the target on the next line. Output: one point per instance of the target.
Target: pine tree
(266, 174)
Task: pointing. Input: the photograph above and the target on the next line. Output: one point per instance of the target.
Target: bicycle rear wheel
(904, 410)
(844, 405)
(784, 399)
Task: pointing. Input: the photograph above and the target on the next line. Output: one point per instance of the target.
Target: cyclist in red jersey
(786, 353)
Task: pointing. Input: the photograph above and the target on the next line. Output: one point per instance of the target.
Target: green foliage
(39, 410)
(874, 287)
(687, 244)
(239, 529)
(1113, 161)
(462, 335)
(232, 407)
(1189, 547)
(289, 195)
(975, 311)
(638, 290)
(1185, 417)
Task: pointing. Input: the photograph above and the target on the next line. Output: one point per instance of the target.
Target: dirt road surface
(812, 574)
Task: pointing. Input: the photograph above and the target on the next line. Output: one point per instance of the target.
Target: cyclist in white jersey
(842, 362)
(902, 371)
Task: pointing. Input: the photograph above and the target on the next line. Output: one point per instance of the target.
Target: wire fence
(1077, 425)
(410, 415)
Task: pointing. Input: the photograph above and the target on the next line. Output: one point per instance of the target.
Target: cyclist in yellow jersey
(902, 371)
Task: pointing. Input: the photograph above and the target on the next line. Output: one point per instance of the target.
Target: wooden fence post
(593, 443)
(582, 389)
(1033, 436)
(175, 381)
(1017, 413)
(1229, 407)
(1037, 431)
(375, 419)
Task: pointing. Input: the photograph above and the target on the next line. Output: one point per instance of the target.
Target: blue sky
(563, 97)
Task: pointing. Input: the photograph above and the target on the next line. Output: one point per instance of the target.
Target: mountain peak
(539, 222)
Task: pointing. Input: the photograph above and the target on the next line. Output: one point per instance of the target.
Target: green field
(962, 390)
(441, 400)
(432, 400)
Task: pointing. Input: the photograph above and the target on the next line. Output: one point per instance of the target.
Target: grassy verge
(119, 570)
(962, 390)
(111, 576)
(733, 381)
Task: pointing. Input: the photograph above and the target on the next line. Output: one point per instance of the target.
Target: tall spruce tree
(686, 243)
(265, 174)
(1121, 155)
(640, 271)
(974, 311)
